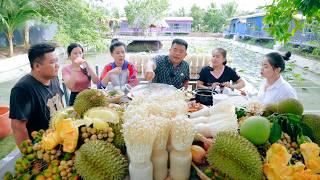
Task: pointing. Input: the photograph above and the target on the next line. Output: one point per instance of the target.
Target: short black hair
(114, 40)
(37, 51)
(116, 44)
(224, 54)
(276, 60)
(180, 42)
(72, 46)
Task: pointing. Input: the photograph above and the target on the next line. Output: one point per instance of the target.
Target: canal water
(246, 62)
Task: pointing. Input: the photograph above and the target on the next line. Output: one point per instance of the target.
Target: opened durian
(65, 133)
(103, 114)
(64, 113)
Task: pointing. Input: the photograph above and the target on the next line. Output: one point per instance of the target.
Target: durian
(102, 113)
(64, 113)
(65, 133)
(118, 139)
(313, 122)
(235, 156)
(88, 99)
(290, 105)
(100, 160)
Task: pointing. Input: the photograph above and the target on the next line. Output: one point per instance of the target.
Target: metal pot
(204, 96)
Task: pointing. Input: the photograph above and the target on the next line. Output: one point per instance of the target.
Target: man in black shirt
(37, 95)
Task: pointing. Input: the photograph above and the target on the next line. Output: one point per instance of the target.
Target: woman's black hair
(114, 40)
(224, 54)
(115, 44)
(69, 50)
(72, 46)
(276, 60)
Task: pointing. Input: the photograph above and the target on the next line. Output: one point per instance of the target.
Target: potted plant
(5, 122)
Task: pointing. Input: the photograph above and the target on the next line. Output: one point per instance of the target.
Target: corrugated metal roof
(296, 16)
(167, 19)
(248, 16)
(178, 18)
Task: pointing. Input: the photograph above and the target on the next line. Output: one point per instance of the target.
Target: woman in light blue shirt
(275, 88)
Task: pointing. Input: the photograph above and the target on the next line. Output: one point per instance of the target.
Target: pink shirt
(82, 81)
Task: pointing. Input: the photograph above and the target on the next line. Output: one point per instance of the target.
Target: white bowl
(219, 97)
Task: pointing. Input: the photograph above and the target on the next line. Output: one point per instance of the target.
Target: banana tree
(14, 13)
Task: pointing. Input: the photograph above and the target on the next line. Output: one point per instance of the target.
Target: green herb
(112, 93)
(240, 112)
(275, 133)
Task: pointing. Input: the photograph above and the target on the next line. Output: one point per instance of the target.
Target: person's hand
(214, 85)
(79, 60)
(227, 84)
(149, 75)
(116, 70)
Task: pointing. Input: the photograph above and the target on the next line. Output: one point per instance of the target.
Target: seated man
(170, 69)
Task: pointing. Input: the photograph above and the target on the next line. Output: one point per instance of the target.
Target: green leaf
(303, 139)
(275, 133)
(293, 117)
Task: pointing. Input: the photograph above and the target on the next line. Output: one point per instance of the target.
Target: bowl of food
(114, 96)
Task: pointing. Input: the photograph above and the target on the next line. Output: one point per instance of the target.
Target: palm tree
(229, 9)
(14, 13)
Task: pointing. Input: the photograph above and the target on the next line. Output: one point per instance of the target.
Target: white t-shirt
(278, 91)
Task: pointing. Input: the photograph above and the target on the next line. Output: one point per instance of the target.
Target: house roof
(178, 18)
(248, 16)
(296, 16)
(167, 19)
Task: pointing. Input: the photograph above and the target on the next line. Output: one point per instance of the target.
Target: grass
(259, 42)
(7, 145)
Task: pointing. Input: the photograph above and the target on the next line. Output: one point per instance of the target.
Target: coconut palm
(14, 13)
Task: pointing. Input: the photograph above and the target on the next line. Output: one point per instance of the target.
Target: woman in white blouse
(275, 88)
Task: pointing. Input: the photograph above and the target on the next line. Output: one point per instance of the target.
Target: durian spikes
(235, 156)
(98, 159)
(88, 99)
(118, 140)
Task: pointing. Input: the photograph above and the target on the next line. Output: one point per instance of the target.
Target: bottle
(109, 86)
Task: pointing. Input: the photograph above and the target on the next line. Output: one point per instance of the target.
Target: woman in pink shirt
(78, 75)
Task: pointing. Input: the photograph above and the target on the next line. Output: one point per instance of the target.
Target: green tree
(197, 14)
(213, 19)
(180, 13)
(280, 14)
(15, 13)
(229, 9)
(142, 13)
(115, 13)
(77, 21)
